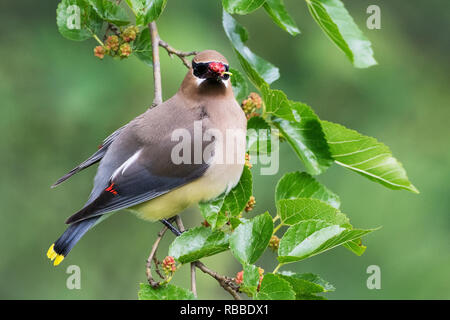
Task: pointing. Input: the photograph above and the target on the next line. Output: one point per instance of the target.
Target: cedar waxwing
(140, 167)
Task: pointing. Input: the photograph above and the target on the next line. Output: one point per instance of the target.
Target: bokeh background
(57, 102)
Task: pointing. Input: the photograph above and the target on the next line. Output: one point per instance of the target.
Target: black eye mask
(201, 70)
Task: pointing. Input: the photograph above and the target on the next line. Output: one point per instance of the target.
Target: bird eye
(199, 69)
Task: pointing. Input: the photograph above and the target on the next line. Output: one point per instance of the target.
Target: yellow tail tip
(58, 259)
(52, 255)
(51, 252)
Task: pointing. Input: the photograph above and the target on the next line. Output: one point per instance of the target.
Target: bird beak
(219, 70)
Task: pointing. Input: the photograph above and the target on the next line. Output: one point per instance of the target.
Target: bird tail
(61, 248)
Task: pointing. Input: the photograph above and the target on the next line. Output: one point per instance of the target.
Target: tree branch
(226, 282)
(180, 226)
(148, 269)
(156, 64)
(180, 54)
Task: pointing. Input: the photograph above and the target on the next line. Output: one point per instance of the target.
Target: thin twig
(225, 282)
(156, 65)
(180, 226)
(180, 54)
(193, 280)
(148, 269)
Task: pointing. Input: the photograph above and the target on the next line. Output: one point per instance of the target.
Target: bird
(143, 167)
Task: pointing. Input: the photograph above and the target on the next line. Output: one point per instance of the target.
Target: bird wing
(96, 157)
(136, 169)
(133, 183)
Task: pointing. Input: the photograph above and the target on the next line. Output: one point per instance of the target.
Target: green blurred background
(58, 102)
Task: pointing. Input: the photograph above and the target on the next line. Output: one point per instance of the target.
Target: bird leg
(169, 225)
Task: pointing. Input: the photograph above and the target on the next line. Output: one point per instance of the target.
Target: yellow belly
(215, 181)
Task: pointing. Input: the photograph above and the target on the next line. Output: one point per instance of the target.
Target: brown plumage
(137, 168)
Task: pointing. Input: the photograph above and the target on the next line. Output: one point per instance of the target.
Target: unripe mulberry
(252, 103)
(274, 243)
(125, 50)
(129, 34)
(99, 52)
(169, 265)
(112, 43)
(250, 204)
(247, 161)
(239, 277)
(261, 276)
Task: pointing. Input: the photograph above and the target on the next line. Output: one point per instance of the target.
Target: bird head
(209, 65)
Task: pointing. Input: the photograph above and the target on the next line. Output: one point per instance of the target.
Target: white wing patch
(121, 170)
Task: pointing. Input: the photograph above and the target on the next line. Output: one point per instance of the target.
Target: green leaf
(110, 11)
(258, 70)
(77, 20)
(312, 237)
(210, 211)
(339, 26)
(250, 238)
(301, 127)
(306, 285)
(240, 86)
(273, 287)
(277, 11)
(292, 211)
(302, 185)
(259, 137)
(366, 156)
(146, 11)
(242, 6)
(197, 243)
(355, 246)
(251, 280)
(236, 200)
(219, 210)
(165, 292)
(142, 47)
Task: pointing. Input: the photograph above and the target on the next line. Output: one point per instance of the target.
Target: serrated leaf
(306, 285)
(236, 200)
(110, 11)
(258, 70)
(334, 19)
(292, 211)
(301, 127)
(259, 137)
(77, 20)
(250, 279)
(146, 11)
(302, 185)
(240, 86)
(273, 287)
(277, 11)
(197, 243)
(366, 156)
(250, 238)
(142, 47)
(219, 210)
(242, 6)
(210, 210)
(312, 237)
(355, 246)
(165, 292)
